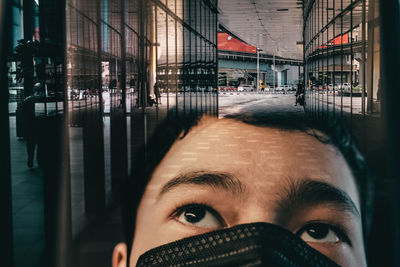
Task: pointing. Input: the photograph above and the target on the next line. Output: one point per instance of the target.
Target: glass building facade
(342, 68)
(130, 64)
(343, 85)
(341, 57)
(101, 79)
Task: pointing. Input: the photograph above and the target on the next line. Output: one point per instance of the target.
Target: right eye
(319, 233)
(198, 215)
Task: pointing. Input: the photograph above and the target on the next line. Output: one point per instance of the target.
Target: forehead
(257, 155)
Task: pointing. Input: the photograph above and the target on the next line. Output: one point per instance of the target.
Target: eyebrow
(220, 180)
(308, 192)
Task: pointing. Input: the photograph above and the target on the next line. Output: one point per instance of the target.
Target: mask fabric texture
(255, 244)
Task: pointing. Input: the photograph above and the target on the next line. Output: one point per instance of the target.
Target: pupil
(195, 214)
(318, 231)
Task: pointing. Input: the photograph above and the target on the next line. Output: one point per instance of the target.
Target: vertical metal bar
(199, 52)
(310, 58)
(309, 66)
(156, 55)
(167, 58)
(305, 43)
(189, 74)
(141, 53)
(311, 51)
(93, 139)
(176, 63)
(99, 55)
(351, 68)
(318, 58)
(258, 68)
(371, 57)
(183, 70)
(327, 59)
(6, 223)
(64, 208)
(123, 56)
(334, 60)
(196, 54)
(364, 58)
(28, 34)
(341, 63)
(322, 58)
(315, 57)
(118, 133)
(314, 51)
(215, 64)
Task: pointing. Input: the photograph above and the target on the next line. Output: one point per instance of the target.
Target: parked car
(284, 88)
(246, 88)
(266, 89)
(333, 87)
(346, 87)
(357, 90)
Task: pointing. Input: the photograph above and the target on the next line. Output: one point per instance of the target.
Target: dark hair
(171, 129)
(147, 157)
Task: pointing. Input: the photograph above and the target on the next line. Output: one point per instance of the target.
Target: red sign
(344, 39)
(227, 42)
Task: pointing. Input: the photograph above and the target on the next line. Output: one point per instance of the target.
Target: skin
(264, 163)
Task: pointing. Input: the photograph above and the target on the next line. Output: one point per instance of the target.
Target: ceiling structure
(275, 26)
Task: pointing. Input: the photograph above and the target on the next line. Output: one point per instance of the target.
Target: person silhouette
(29, 125)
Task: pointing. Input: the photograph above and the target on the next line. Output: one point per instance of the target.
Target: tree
(26, 50)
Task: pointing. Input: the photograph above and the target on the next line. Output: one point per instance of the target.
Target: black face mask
(255, 244)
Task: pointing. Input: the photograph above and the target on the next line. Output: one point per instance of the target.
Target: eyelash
(338, 230)
(179, 209)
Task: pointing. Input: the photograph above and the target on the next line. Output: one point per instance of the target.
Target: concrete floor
(28, 209)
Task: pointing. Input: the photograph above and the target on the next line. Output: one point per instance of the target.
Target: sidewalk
(27, 202)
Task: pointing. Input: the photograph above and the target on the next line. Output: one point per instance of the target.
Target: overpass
(237, 63)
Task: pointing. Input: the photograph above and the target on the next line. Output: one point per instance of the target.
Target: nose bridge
(257, 209)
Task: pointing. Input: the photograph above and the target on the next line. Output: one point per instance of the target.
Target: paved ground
(28, 209)
(347, 103)
(240, 103)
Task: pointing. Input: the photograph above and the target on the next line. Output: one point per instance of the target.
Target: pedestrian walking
(29, 125)
(157, 93)
(299, 94)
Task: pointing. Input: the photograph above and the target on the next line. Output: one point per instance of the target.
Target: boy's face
(226, 173)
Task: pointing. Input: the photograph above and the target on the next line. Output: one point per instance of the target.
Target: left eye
(319, 233)
(199, 215)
